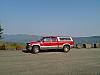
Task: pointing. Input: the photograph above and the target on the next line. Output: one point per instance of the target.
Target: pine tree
(1, 31)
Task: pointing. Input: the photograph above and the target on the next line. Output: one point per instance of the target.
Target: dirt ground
(75, 62)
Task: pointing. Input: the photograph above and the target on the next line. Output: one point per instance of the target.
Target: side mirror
(42, 40)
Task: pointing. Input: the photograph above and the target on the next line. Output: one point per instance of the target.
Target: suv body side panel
(45, 45)
(53, 42)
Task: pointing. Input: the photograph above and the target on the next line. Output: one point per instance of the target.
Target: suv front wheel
(35, 49)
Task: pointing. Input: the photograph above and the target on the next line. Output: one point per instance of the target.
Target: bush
(11, 46)
(2, 47)
(79, 46)
(20, 47)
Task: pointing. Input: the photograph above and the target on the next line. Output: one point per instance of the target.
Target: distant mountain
(91, 39)
(95, 36)
(23, 38)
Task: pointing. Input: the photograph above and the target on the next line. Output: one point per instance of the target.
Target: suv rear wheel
(66, 48)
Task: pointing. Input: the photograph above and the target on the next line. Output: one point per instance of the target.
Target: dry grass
(11, 46)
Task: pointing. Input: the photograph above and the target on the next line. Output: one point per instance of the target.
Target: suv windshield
(40, 39)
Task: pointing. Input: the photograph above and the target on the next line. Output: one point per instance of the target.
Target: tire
(35, 49)
(66, 48)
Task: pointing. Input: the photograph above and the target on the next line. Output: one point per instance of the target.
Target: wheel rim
(66, 49)
(36, 50)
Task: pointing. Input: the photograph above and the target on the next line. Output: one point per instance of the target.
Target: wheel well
(67, 45)
(36, 45)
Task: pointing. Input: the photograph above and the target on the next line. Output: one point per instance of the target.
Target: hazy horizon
(77, 18)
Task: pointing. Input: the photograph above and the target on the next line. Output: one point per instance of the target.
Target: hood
(31, 43)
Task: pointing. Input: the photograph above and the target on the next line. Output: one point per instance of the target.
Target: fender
(35, 44)
(66, 44)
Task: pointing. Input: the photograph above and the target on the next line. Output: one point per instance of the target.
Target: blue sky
(51, 17)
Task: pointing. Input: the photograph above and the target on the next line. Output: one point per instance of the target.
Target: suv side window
(64, 39)
(68, 39)
(46, 39)
(54, 39)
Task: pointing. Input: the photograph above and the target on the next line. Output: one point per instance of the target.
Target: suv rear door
(54, 43)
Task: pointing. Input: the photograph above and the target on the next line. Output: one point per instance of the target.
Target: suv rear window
(64, 39)
(54, 39)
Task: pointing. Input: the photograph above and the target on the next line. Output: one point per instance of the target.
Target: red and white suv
(51, 42)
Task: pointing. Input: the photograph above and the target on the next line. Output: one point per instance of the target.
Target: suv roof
(56, 36)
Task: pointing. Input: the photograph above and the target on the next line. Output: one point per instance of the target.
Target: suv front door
(46, 43)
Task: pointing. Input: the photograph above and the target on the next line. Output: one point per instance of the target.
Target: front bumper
(28, 47)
